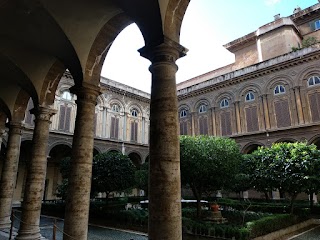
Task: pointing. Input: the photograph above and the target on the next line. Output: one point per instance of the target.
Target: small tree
(208, 164)
(112, 172)
(289, 167)
(141, 177)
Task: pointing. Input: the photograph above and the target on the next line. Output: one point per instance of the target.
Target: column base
(29, 235)
(5, 223)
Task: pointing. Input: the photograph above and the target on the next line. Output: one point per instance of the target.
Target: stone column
(266, 111)
(9, 173)
(36, 175)
(164, 176)
(78, 200)
(298, 104)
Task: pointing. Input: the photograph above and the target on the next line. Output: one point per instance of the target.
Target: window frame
(183, 115)
(314, 79)
(248, 96)
(224, 103)
(203, 108)
(279, 86)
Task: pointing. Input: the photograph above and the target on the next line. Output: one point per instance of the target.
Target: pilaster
(298, 104)
(237, 110)
(266, 111)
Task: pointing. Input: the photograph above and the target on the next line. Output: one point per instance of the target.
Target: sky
(206, 27)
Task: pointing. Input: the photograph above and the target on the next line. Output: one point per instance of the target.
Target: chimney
(276, 17)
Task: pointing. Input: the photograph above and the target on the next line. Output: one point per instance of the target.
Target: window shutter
(252, 119)
(116, 132)
(312, 26)
(62, 117)
(315, 106)
(112, 128)
(136, 132)
(67, 120)
(282, 113)
(132, 131)
(225, 119)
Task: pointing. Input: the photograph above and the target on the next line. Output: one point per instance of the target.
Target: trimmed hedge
(271, 223)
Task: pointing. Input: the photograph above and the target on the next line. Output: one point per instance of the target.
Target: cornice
(250, 75)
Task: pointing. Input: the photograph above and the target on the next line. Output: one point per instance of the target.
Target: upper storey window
(317, 25)
(115, 108)
(134, 113)
(183, 113)
(249, 96)
(66, 95)
(224, 103)
(202, 108)
(313, 80)
(279, 89)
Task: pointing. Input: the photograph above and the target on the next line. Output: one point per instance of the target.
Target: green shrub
(270, 224)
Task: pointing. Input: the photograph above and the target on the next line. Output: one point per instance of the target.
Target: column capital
(87, 92)
(167, 51)
(43, 113)
(14, 127)
(296, 87)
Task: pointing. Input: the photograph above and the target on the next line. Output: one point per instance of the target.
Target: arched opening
(136, 159)
(251, 148)
(316, 142)
(54, 177)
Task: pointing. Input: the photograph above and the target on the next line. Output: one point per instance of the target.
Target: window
(202, 108)
(115, 108)
(114, 128)
(183, 113)
(224, 103)
(134, 113)
(249, 96)
(317, 25)
(66, 95)
(313, 80)
(279, 89)
(134, 131)
(64, 118)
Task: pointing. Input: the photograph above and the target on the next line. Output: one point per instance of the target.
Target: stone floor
(95, 232)
(311, 234)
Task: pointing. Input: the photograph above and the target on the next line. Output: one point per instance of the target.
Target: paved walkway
(311, 234)
(95, 232)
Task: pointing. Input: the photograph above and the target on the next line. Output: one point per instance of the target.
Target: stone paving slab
(312, 234)
(95, 232)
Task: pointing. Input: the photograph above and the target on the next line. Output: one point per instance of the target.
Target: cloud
(271, 2)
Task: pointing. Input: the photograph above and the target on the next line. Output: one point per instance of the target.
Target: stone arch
(60, 142)
(306, 73)
(174, 14)
(51, 81)
(112, 101)
(136, 158)
(250, 87)
(21, 105)
(204, 101)
(286, 140)
(250, 147)
(96, 151)
(4, 108)
(315, 140)
(101, 46)
(228, 95)
(59, 151)
(146, 160)
(135, 106)
(113, 150)
(285, 80)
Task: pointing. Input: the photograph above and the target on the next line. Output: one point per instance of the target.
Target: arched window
(224, 103)
(249, 96)
(279, 89)
(313, 80)
(134, 113)
(66, 95)
(183, 113)
(202, 108)
(115, 108)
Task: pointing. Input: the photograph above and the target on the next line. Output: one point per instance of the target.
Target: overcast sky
(207, 26)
